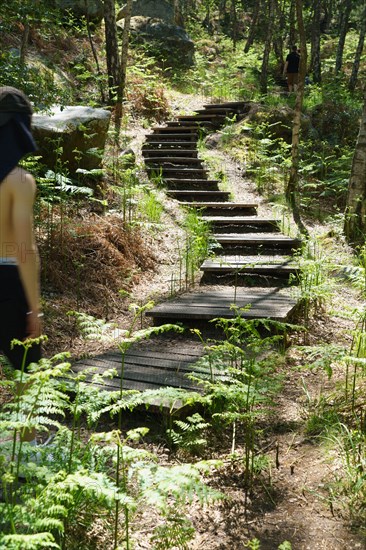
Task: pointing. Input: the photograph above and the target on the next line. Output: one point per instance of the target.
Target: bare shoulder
(21, 181)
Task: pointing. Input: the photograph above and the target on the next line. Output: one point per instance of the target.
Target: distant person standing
(20, 315)
(291, 69)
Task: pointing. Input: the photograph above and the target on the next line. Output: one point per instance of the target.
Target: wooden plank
(238, 220)
(166, 144)
(195, 181)
(173, 160)
(149, 153)
(190, 195)
(175, 130)
(258, 239)
(228, 205)
(228, 104)
(171, 137)
(207, 305)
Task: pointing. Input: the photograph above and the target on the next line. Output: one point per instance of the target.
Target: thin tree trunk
(292, 25)
(278, 35)
(355, 218)
(356, 62)
(24, 44)
(315, 65)
(94, 52)
(253, 26)
(111, 42)
(267, 48)
(292, 189)
(234, 23)
(345, 13)
(123, 74)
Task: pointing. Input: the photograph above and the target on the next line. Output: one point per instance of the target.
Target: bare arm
(23, 194)
(285, 68)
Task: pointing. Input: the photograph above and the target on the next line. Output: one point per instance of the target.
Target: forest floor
(292, 503)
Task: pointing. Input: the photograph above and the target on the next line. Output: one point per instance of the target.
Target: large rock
(93, 8)
(150, 8)
(62, 132)
(169, 44)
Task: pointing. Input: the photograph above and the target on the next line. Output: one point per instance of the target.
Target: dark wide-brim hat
(13, 101)
(16, 139)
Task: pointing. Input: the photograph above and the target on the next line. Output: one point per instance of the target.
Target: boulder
(150, 8)
(168, 43)
(76, 135)
(93, 8)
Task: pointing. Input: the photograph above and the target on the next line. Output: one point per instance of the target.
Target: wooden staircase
(250, 248)
(251, 268)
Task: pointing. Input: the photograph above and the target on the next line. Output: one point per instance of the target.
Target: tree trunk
(356, 62)
(315, 65)
(345, 13)
(111, 43)
(292, 25)
(253, 26)
(94, 52)
(123, 73)
(24, 44)
(292, 189)
(355, 218)
(234, 23)
(278, 35)
(267, 48)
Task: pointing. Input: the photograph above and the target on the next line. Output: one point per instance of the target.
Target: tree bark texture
(292, 25)
(121, 90)
(345, 8)
(278, 34)
(111, 43)
(253, 26)
(267, 47)
(360, 45)
(292, 189)
(315, 65)
(355, 218)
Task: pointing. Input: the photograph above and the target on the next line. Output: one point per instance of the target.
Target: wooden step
(172, 137)
(186, 122)
(189, 196)
(154, 153)
(175, 130)
(228, 104)
(166, 161)
(226, 208)
(194, 184)
(258, 241)
(178, 172)
(206, 305)
(245, 223)
(226, 111)
(276, 266)
(166, 145)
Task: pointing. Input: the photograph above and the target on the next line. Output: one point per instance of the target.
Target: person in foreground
(20, 315)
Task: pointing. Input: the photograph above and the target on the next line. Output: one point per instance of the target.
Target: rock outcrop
(168, 43)
(93, 8)
(150, 8)
(75, 135)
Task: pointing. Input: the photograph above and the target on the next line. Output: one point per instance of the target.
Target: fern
(28, 542)
(189, 436)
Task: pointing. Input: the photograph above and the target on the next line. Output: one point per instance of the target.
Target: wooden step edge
(228, 205)
(238, 220)
(247, 239)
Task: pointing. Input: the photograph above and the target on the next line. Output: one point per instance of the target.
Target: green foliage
(176, 532)
(350, 486)
(188, 433)
(314, 284)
